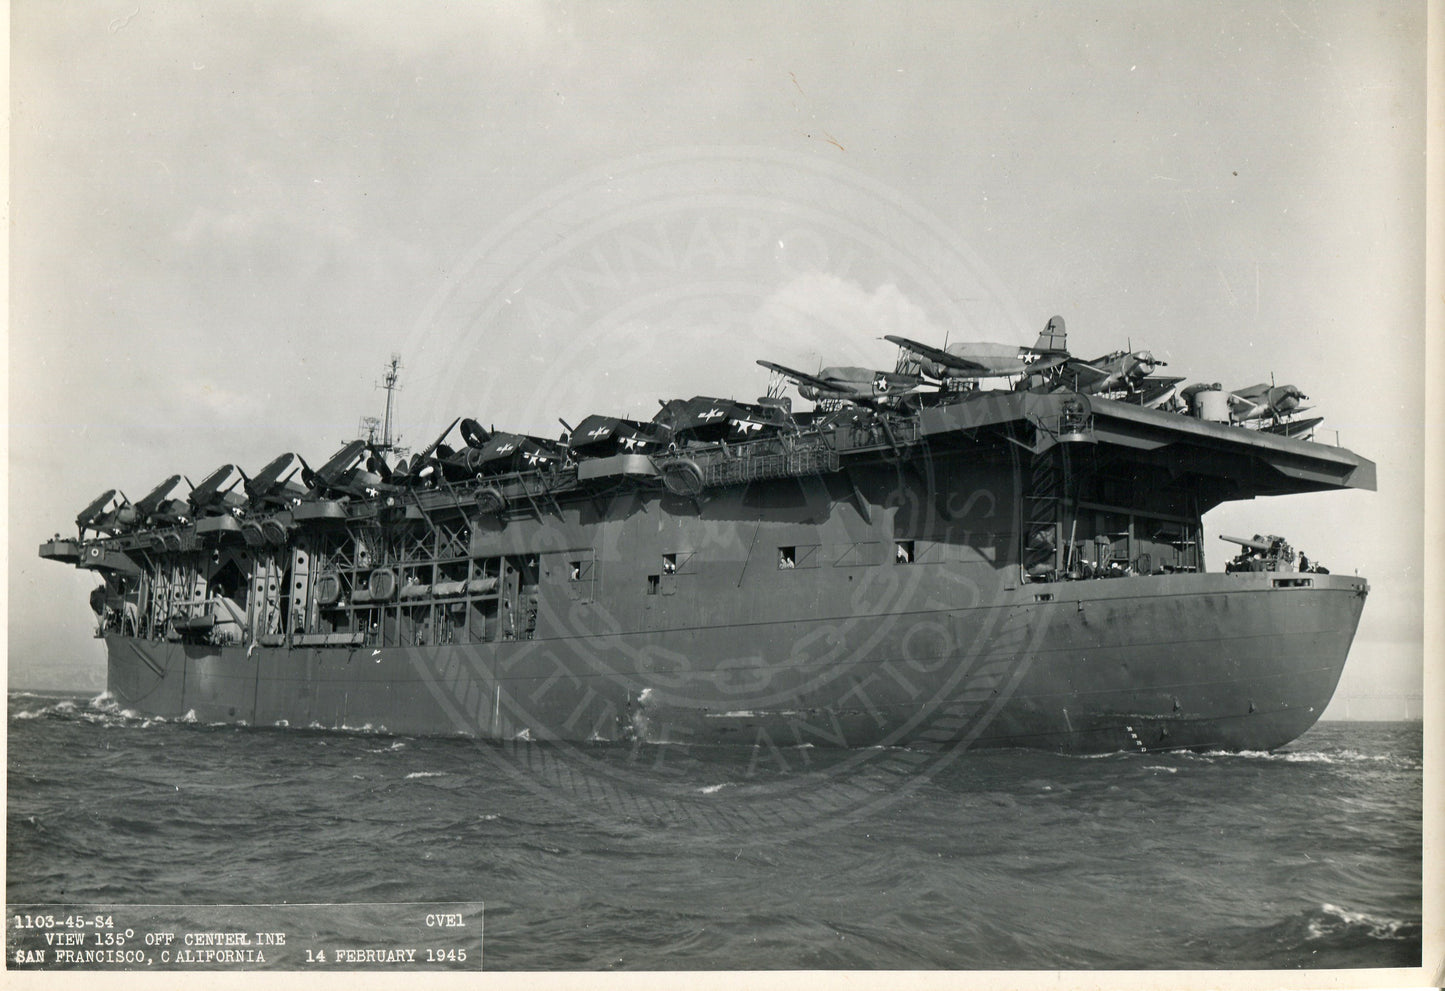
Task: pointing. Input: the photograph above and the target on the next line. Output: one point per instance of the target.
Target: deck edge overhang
(1289, 464)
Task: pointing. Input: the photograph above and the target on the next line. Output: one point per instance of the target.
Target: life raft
(383, 584)
(682, 477)
(274, 531)
(491, 501)
(328, 589)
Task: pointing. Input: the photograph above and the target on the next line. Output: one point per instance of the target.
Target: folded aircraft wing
(1157, 388)
(945, 358)
(801, 378)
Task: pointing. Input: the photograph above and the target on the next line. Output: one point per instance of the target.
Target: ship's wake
(1344, 756)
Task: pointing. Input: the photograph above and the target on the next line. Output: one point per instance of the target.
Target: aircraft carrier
(987, 546)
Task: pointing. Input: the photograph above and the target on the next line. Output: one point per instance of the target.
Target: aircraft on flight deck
(978, 360)
(349, 472)
(438, 459)
(157, 508)
(1156, 390)
(1126, 370)
(276, 484)
(217, 492)
(859, 385)
(708, 419)
(1265, 402)
(505, 452)
(103, 514)
(599, 435)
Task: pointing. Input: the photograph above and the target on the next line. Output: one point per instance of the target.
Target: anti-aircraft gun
(1261, 553)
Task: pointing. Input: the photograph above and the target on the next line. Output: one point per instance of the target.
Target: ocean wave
(1332, 922)
(365, 729)
(1338, 757)
(426, 774)
(713, 789)
(100, 711)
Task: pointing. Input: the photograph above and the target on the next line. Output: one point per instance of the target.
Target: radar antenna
(389, 442)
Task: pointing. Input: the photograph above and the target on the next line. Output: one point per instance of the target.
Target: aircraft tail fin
(1053, 339)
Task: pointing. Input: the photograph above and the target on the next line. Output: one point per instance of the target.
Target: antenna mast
(391, 387)
(369, 424)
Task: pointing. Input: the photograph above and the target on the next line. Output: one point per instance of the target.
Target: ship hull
(1187, 661)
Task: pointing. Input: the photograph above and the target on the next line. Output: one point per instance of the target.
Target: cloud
(820, 310)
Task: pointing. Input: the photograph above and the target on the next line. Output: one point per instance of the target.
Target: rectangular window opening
(653, 581)
(787, 558)
(669, 564)
(903, 552)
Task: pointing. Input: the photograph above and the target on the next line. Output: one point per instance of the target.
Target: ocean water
(614, 857)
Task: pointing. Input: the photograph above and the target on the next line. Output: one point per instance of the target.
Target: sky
(226, 218)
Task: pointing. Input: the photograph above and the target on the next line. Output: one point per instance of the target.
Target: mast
(370, 424)
(391, 387)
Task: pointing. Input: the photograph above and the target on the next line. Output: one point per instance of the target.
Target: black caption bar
(370, 936)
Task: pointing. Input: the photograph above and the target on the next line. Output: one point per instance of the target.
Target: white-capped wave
(426, 774)
(1310, 757)
(1337, 918)
(713, 789)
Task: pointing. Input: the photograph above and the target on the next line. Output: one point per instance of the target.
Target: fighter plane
(1114, 372)
(348, 473)
(217, 494)
(978, 360)
(158, 508)
(858, 385)
(473, 432)
(707, 420)
(484, 452)
(1265, 402)
(276, 485)
(103, 514)
(504, 452)
(599, 436)
(436, 459)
